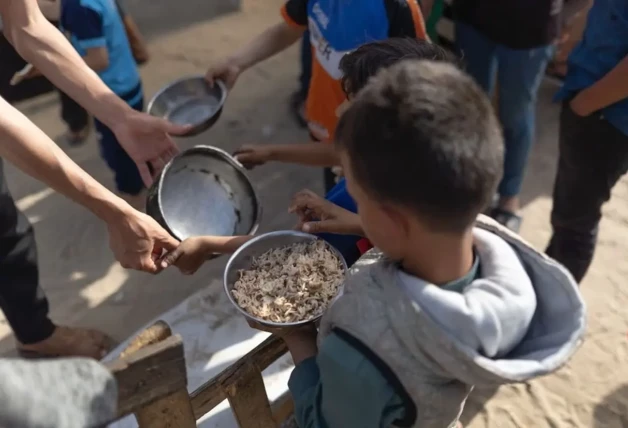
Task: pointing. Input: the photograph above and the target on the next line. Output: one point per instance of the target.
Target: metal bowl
(204, 191)
(190, 101)
(243, 258)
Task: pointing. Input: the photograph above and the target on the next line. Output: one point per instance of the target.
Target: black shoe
(506, 218)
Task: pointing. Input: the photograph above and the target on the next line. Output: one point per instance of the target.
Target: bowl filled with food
(190, 101)
(284, 278)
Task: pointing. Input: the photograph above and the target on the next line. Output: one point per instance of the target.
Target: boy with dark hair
(445, 302)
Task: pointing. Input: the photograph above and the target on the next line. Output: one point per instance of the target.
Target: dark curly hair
(363, 63)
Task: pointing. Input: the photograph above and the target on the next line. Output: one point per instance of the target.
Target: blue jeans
(519, 74)
(126, 175)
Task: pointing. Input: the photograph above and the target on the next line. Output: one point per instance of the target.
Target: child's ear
(397, 217)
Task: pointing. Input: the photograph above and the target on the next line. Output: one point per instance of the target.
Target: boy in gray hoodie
(446, 301)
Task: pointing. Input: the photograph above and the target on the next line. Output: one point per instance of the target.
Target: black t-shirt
(517, 24)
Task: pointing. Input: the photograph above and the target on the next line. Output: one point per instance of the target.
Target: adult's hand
(137, 241)
(147, 141)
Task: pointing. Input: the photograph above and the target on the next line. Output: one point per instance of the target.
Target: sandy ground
(87, 288)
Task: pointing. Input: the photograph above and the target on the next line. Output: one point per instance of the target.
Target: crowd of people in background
(369, 73)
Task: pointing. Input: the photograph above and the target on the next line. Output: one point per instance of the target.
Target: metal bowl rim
(229, 159)
(163, 89)
(263, 237)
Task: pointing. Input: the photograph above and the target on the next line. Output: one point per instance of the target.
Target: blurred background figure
(510, 44)
(73, 115)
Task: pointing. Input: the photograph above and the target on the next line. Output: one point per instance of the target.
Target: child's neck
(440, 259)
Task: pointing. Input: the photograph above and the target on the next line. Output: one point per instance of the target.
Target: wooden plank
(248, 400)
(212, 393)
(282, 408)
(173, 411)
(153, 334)
(149, 374)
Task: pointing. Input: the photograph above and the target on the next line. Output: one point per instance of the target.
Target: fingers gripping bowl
(284, 278)
(204, 191)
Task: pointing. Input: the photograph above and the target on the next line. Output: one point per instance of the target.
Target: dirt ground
(87, 288)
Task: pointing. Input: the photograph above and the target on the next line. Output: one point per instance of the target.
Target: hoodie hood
(523, 317)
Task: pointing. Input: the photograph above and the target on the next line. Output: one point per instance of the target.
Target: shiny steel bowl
(243, 258)
(189, 101)
(204, 191)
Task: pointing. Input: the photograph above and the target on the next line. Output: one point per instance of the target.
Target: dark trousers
(74, 116)
(21, 299)
(306, 65)
(593, 157)
(126, 174)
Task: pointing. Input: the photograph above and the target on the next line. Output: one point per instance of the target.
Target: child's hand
(301, 341)
(188, 256)
(227, 70)
(317, 215)
(193, 252)
(251, 156)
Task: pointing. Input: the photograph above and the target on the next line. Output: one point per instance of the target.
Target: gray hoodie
(521, 319)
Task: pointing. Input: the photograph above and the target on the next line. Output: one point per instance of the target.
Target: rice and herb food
(290, 284)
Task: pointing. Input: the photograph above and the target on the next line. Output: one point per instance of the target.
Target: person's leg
(520, 73)
(23, 301)
(126, 175)
(593, 157)
(478, 55)
(297, 102)
(76, 118)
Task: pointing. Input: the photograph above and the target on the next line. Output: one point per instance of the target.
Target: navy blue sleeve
(84, 23)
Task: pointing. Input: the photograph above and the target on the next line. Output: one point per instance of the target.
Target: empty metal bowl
(243, 258)
(204, 191)
(190, 101)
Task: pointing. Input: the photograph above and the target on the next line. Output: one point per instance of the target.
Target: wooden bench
(152, 384)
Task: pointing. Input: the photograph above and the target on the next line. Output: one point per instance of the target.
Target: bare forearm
(270, 42)
(302, 344)
(312, 154)
(611, 88)
(224, 244)
(27, 147)
(41, 44)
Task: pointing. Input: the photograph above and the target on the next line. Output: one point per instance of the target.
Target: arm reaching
(312, 154)
(317, 215)
(270, 42)
(145, 138)
(193, 252)
(133, 236)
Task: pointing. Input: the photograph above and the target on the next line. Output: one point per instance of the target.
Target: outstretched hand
(147, 141)
(135, 238)
(318, 215)
(251, 155)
